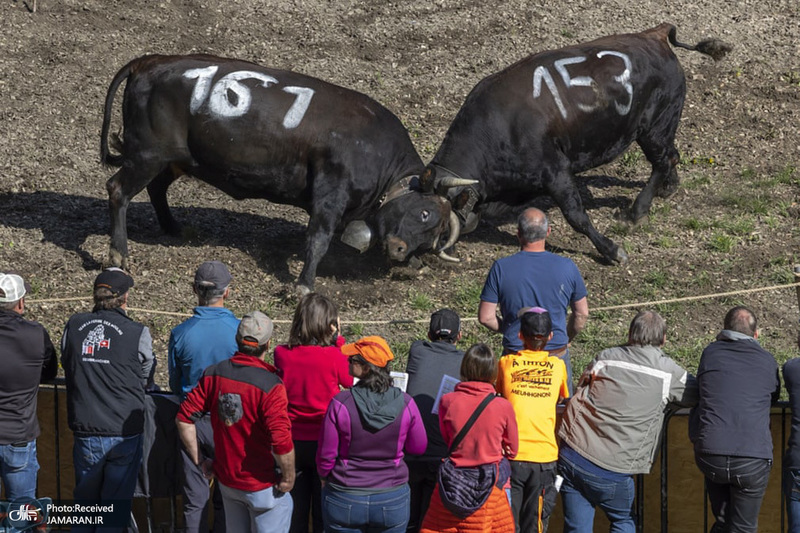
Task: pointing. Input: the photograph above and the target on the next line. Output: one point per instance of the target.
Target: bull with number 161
(256, 132)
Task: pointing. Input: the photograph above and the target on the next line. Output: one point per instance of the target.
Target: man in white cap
(205, 339)
(107, 360)
(28, 358)
(252, 432)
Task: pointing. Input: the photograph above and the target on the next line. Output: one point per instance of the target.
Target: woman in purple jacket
(364, 436)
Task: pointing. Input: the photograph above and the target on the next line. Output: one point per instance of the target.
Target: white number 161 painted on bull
(220, 104)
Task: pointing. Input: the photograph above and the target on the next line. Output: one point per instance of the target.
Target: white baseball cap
(12, 288)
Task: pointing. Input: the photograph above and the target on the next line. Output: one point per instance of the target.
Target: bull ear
(427, 179)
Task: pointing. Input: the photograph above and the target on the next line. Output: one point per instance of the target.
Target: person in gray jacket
(623, 392)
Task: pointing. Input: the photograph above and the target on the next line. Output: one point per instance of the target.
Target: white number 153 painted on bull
(219, 104)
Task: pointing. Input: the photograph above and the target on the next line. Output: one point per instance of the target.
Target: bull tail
(105, 155)
(714, 48)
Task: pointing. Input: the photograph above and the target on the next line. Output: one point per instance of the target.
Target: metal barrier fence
(160, 513)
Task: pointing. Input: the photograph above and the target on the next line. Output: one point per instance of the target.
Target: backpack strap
(470, 422)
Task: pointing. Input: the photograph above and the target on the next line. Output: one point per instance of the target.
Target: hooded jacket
(364, 437)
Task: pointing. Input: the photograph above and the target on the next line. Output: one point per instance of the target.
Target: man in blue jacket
(738, 383)
(205, 339)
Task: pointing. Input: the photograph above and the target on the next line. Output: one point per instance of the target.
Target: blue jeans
(263, 511)
(736, 486)
(582, 491)
(791, 491)
(18, 467)
(386, 512)
(106, 469)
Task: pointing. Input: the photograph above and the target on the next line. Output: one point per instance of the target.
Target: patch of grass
(695, 182)
(619, 229)
(665, 241)
(694, 223)
(747, 173)
(754, 203)
(656, 278)
(567, 34)
(353, 331)
(467, 298)
(787, 176)
(721, 242)
(419, 301)
(741, 226)
(631, 158)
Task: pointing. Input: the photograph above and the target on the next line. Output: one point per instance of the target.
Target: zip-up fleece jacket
(362, 446)
(247, 402)
(615, 418)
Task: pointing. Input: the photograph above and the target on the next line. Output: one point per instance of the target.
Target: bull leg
(157, 189)
(321, 226)
(121, 187)
(658, 145)
(569, 201)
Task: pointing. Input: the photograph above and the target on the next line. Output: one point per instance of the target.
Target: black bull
(255, 132)
(531, 127)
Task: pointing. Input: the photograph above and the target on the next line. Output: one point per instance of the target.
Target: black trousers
(306, 493)
(422, 478)
(736, 487)
(533, 494)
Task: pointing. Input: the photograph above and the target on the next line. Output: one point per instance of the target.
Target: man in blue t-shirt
(205, 339)
(534, 277)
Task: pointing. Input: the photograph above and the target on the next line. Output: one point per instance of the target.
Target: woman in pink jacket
(313, 369)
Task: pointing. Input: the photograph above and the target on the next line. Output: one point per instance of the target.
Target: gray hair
(208, 295)
(647, 328)
(8, 306)
(532, 225)
(742, 320)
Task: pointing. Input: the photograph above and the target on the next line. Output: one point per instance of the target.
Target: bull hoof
(116, 259)
(301, 290)
(667, 190)
(625, 215)
(621, 257)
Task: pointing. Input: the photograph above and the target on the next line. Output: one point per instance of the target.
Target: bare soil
(732, 225)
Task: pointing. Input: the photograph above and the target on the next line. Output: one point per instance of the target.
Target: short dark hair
(105, 299)
(252, 351)
(313, 318)
(378, 378)
(742, 320)
(532, 228)
(647, 329)
(479, 364)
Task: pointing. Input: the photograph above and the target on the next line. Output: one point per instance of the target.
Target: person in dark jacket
(206, 338)
(791, 460)
(107, 360)
(28, 358)
(432, 365)
(738, 382)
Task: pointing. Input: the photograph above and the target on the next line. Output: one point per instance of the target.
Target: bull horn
(455, 232)
(452, 181)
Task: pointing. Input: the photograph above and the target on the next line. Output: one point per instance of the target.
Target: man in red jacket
(249, 416)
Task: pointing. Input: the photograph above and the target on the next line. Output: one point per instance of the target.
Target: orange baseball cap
(373, 349)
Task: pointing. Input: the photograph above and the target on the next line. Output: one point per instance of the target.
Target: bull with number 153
(256, 132)
(530, 128)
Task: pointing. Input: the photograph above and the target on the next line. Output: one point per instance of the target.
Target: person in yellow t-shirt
(534, 382)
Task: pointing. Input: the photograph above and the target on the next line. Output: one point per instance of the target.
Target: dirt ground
(732, 225)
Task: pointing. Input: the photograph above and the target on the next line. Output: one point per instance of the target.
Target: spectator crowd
(323, 440)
